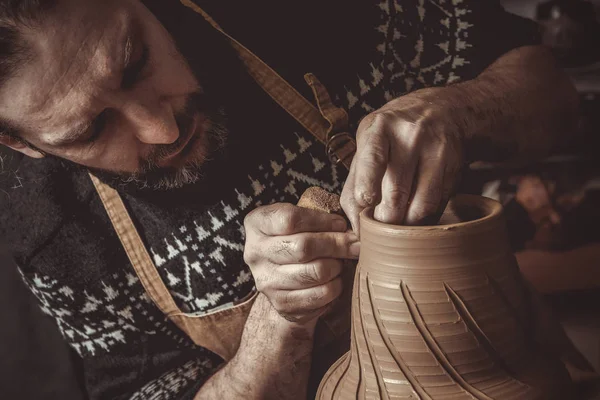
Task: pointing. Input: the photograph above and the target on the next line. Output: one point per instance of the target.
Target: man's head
(103, 85)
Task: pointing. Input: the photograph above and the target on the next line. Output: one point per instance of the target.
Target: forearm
(273, 361)
(521, 107)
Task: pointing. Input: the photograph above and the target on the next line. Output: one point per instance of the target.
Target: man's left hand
(409, 155)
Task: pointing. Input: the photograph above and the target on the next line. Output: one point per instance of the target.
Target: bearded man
(154, 160)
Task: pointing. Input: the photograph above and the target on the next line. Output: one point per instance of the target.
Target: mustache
(185, 121)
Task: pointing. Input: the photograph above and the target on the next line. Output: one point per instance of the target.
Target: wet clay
(441, 312)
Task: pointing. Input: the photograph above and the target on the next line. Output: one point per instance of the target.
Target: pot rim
(491, 209)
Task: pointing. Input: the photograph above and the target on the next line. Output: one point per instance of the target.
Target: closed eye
(96, 127)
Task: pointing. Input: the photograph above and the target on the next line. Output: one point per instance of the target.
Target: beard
(200, 148)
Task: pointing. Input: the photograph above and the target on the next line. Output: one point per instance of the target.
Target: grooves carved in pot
(441, 312)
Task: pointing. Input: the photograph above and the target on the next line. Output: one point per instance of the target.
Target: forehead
(75, 50)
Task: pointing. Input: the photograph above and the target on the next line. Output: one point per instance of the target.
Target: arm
(273, 361)
(522, 106)
(410, 151)
(295, 257)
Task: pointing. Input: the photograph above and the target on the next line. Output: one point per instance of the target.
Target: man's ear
(20, 146)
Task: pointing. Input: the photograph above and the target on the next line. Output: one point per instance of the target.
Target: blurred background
(553, 209)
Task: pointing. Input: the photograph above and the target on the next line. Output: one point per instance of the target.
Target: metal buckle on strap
(335, 143)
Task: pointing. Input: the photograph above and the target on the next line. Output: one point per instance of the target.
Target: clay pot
(441, 312)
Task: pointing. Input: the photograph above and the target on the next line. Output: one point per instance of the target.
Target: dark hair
(15, 16)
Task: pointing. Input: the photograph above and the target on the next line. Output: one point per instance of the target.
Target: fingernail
(340, 225)
(355, 249)
(367, 198)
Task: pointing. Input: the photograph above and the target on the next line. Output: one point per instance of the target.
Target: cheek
(117, 149)
(112, 154)
(170, 75)
(171, 78)
(120, 155)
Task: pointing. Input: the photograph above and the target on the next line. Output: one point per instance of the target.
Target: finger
(301, 276)
(307, 300)
(396, 187)
(371, 159)
(302, 318)
(426, 205)
(452, 172)
(349, 204)
(286, 219)
(305, 247)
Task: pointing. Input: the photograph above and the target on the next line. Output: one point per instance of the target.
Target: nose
(153, 123)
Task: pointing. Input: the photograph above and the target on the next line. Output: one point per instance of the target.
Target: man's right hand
(295, 256)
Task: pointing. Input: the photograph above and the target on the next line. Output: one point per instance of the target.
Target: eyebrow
(127, 50)
(127, 69)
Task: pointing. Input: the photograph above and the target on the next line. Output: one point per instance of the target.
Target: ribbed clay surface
(441, 313)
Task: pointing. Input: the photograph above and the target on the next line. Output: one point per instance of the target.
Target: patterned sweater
(366, 53)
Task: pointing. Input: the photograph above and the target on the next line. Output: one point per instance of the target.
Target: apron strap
(328, 124)
(136, 250)
(218, 331)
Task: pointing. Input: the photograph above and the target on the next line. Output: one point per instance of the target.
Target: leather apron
(220, 331)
